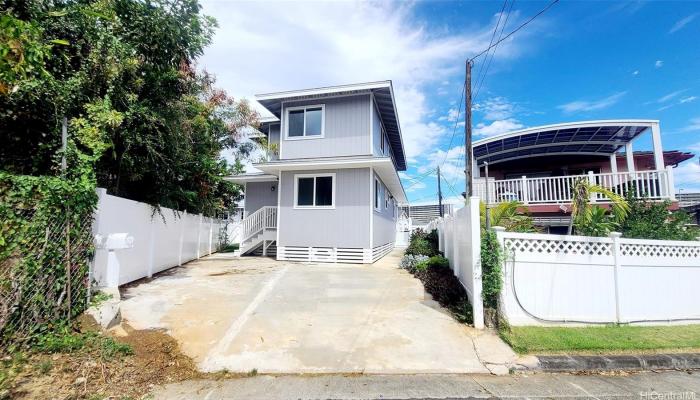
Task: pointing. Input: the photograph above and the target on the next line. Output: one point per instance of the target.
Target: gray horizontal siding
(384, 224)
(346, 130)
(258, 195)
(345, 226)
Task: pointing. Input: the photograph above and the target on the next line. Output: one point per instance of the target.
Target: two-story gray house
(330, 189)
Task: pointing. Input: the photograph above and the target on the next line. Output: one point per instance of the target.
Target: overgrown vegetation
(652, 220)
(427, 264)
(511, 215)
(45, 245)
(491, 269)
(592, 219)
(123, 74)
(602, 339)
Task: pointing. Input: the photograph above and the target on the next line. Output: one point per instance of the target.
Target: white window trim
(304, 136)
(386, 199)
(313, 207)
(377, 202)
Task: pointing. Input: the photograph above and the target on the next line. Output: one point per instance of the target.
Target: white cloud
(693, 125)
(635, 72)
(687, 99)
(496, 108)
(687, 175)
(584, 105)
(670, 96)
(658, 64)
(497, 127)
(681, 23)
(271, 46)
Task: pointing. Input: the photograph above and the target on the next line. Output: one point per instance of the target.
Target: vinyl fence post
(615, 236)
(211, 232)
(151, 248)
(475, 242)
(505, 273)
(199, 235)
(183, 222)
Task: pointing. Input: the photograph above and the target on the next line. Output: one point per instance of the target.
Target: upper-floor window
(305, 122)
(314, 191)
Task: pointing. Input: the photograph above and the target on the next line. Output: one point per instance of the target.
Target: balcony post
(613, 169)
(629, 155)
(591, 180)
(525, 194)
(670, 184)
(658, 151)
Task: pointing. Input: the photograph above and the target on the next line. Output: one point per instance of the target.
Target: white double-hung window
(314, 191)
(305, 122)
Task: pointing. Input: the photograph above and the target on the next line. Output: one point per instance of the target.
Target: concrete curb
(642, 362)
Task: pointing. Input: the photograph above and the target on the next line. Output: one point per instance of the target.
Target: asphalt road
(676, 385)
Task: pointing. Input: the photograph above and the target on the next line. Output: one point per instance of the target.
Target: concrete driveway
(256, 313)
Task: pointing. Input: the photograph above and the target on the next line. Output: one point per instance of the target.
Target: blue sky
(579, 61)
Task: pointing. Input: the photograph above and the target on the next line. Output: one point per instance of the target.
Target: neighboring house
(539, 166)
(329, 189)
(421, 215)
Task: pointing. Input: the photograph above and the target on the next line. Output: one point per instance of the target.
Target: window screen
(313, 121)
(324, 191)
(296, 123)
(305, 192)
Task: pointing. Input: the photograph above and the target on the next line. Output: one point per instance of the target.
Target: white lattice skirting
(333, 254)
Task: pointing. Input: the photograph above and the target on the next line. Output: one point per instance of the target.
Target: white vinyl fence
(460, 241)
(559, 279)
(160, 241)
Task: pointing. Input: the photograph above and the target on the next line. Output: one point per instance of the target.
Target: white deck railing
(264, 218)
(655, 185)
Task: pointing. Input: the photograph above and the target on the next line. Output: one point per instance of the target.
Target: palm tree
(509, 216)
(582, 213)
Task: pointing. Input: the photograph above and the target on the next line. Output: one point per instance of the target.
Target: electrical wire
(488, 60)
(493, 37)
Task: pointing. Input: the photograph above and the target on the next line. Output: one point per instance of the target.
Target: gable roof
(383, 92)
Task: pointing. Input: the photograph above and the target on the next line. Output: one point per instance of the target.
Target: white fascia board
(382, 166)
(245, 178)
(323, 90)
(569, 125)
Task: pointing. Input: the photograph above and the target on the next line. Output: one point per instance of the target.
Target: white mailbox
(113, 241)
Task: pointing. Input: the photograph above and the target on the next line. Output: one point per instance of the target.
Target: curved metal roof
(600, 138)
(383, 92)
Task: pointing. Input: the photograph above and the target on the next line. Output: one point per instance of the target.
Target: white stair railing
(264, 218)
(654, 184)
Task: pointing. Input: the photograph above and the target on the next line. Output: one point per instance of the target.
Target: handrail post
(524, 189)
(670, 184)
(591, 180)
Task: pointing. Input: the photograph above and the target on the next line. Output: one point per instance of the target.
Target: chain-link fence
(44, 269)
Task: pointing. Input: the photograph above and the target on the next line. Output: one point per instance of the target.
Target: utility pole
(468, 130)
(439, 193)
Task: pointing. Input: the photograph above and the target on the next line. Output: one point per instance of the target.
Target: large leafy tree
(123, 73)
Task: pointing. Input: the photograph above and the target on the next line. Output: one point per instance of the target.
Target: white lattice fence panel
(558, 248)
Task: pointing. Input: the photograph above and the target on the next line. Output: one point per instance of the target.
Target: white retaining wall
(460, 241)
(559, 279)
(161, 241)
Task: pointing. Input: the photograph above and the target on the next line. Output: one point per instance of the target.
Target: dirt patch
(84, 374)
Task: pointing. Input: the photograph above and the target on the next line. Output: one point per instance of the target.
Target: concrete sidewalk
(256, 313)
(647, 385)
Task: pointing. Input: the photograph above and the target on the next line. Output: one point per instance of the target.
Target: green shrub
(423, 243)
(491, 261)
(652, 220)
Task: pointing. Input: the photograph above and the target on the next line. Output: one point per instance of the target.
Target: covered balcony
(540, 166)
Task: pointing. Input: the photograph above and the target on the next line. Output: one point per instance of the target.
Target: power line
(517, 29)
(488, 60)
(493, 36)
